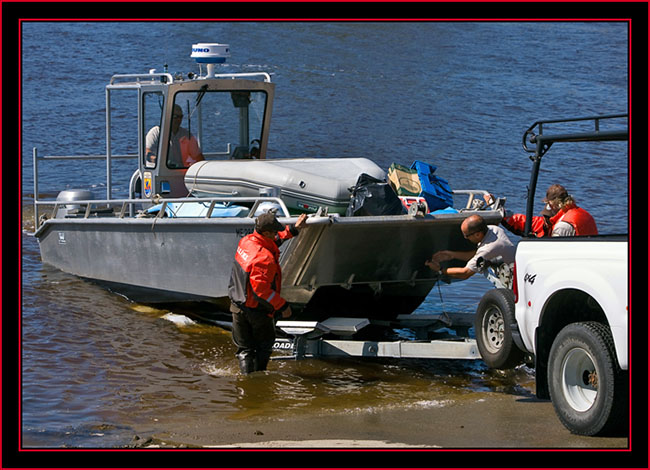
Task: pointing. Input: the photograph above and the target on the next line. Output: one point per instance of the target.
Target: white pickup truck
(567, 312)
(571, 310)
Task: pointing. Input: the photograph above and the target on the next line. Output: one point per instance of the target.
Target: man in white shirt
(492, 242)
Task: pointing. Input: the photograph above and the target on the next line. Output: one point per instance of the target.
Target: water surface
(97, 368)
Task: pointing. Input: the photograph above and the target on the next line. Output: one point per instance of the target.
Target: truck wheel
(586, 385)
(494, 316)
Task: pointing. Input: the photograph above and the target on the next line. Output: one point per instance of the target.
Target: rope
(190, 190)
(442, 303)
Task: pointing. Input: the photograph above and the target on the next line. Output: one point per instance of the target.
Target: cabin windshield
(210, 125)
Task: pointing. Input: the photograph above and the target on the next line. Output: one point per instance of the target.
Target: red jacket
(256, 277)
(580, 219)
(515, 223)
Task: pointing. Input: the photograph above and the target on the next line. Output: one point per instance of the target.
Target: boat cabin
(182, 120)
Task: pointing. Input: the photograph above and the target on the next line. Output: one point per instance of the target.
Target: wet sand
(480, 420)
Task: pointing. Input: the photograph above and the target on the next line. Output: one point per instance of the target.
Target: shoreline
(481, 420)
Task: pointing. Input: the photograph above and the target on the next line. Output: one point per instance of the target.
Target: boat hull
(345, 266)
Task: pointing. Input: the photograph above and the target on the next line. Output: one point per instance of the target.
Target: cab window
(153, 104)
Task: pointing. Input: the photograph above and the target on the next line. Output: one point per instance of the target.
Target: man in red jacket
(254, 290)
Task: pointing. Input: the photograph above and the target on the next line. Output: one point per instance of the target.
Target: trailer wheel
(587, 387)
(492, 324)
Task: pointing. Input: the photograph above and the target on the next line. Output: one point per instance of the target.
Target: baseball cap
(267, 222)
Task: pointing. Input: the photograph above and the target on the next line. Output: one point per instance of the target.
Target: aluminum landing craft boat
(174, 237)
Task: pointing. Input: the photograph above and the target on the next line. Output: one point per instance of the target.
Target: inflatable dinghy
(303, 184)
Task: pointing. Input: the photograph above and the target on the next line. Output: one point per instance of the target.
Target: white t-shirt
(563, 229)
(495, 243)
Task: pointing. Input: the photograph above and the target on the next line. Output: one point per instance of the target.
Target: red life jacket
(581, 220)
(190, 151)
(256, 278)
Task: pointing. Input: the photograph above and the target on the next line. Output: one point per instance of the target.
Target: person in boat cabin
(254, 290)
(183, 146)
(492, 242)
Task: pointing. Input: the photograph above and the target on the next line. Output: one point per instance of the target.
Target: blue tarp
(446, 210)
(435, 190)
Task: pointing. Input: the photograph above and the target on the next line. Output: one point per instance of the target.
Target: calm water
(97, 368)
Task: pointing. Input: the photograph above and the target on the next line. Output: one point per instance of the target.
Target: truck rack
(535, 135)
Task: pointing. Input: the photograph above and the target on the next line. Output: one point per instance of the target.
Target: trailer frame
(334, 337)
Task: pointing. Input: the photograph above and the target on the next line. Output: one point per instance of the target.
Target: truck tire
(586, 385)
(492, 324)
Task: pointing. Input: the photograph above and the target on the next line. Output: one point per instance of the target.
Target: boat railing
(130, 79)
(264, 75)
(106, 207)
(475, 197)
(127, 79)
(473, 202)
(36, 158)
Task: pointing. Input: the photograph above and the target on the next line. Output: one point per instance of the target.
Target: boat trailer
(433, 339)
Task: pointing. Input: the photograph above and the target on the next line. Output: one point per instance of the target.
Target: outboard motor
(71, 195)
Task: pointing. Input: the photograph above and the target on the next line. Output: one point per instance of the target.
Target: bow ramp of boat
(360, 266)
